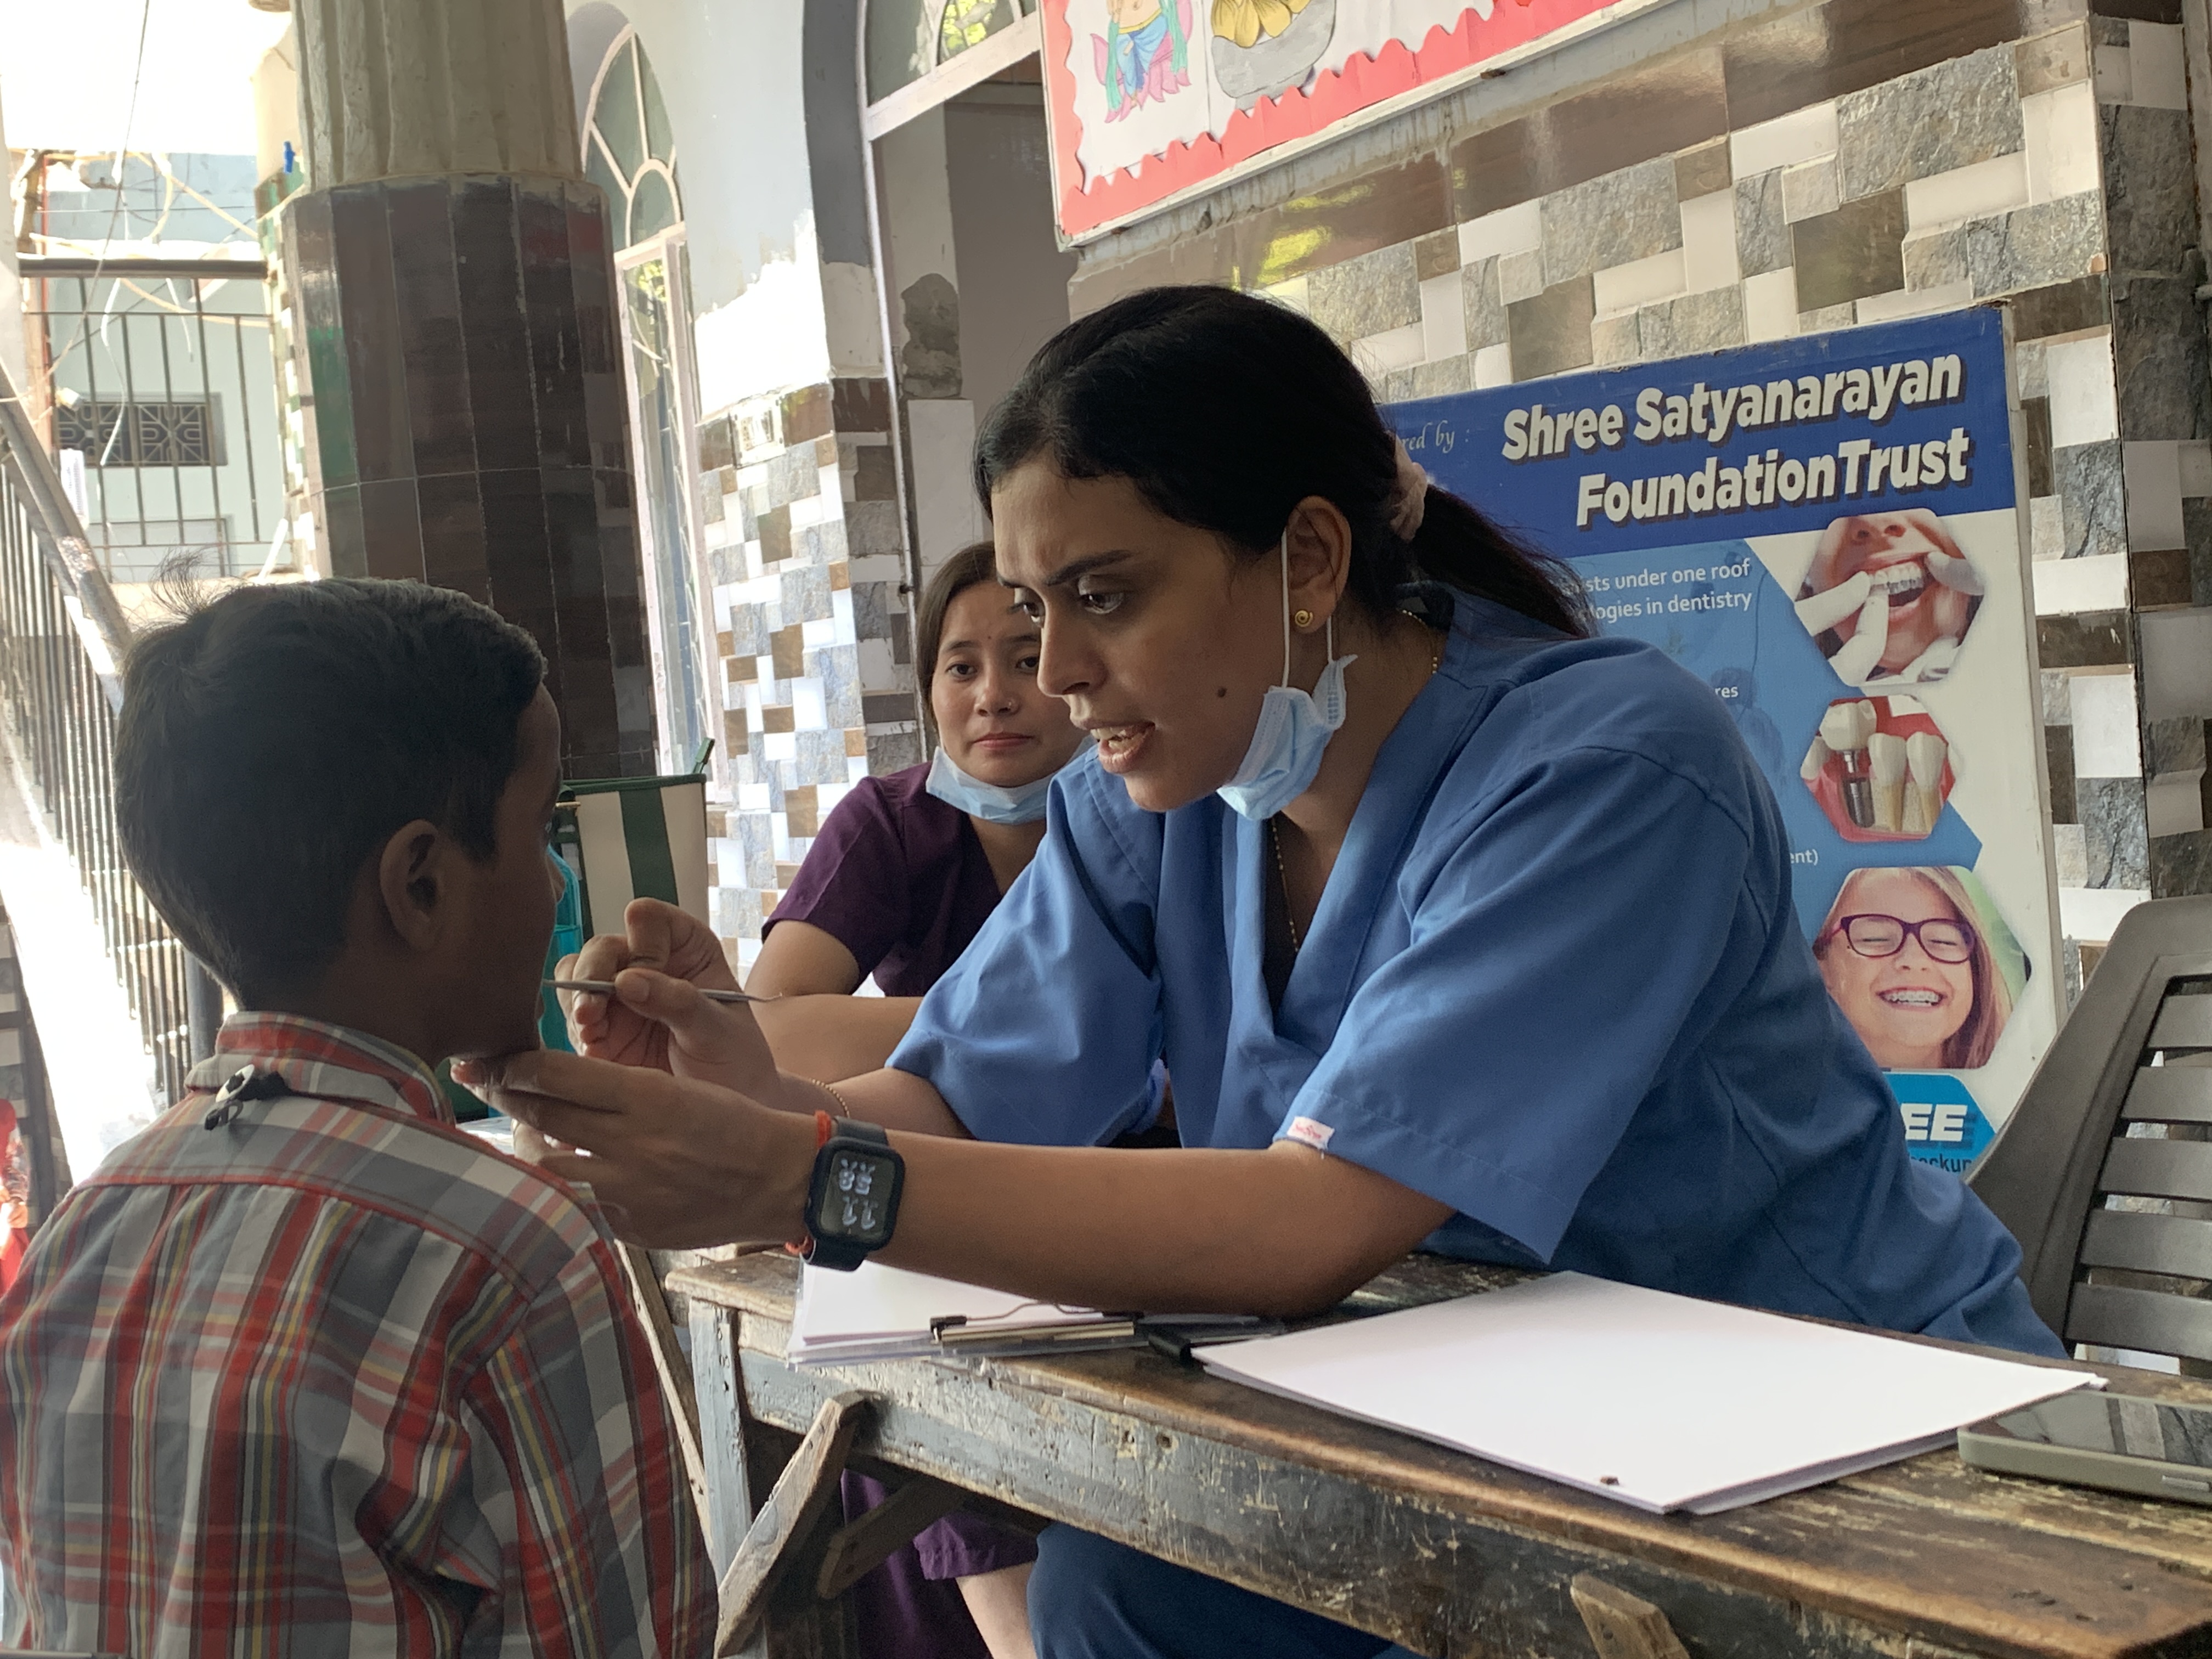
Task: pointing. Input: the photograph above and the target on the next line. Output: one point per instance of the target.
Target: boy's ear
(413, 879)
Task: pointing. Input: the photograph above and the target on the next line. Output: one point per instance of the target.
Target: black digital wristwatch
(852, 1202)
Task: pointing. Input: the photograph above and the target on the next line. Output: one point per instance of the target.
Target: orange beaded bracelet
(823, 1124)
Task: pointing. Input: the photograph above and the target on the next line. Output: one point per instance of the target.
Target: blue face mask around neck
(1294, 728)
(1023, 804)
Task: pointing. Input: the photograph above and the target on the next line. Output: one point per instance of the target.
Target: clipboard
(878, 1312)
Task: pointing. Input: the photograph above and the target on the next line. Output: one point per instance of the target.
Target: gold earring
(1302, 619)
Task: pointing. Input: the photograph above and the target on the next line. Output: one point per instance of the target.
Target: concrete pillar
(396, 88)
(456, 343)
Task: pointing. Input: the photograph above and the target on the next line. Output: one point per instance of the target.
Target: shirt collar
(330, 1062)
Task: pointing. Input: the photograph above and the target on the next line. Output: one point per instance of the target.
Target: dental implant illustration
(1877, 766)
(1845, 728)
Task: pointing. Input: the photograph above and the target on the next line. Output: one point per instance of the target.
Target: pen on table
(605, 988)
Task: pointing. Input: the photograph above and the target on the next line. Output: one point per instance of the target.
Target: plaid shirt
(337, 1379)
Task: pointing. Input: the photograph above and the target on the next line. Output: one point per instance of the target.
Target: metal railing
(165, 412)
(63, 637)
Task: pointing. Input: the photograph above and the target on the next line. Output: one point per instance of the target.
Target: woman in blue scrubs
(1456, 927)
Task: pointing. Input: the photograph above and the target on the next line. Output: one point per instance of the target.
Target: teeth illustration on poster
(1826, 532)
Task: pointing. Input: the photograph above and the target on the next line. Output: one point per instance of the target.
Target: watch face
(856, 1200)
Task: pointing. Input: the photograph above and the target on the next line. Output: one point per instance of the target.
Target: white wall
(275, 84)
(914, 178)
(1012, 277)
(729, 73)
(768, 299)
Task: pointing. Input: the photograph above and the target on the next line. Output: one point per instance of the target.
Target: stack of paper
(1658, 1400)
(877, 1312)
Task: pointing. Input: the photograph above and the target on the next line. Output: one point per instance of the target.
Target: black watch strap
(841, 1254)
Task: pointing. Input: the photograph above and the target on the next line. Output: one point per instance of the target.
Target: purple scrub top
(897, 878)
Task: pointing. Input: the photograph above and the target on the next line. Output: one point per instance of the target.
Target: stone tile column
(458, 348)
(2149, 72)
(809, 582)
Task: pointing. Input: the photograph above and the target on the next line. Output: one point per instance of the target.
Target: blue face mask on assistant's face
(1023, 804)
(1295, 728)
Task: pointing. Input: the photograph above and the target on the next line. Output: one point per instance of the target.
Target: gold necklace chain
(1275, 832)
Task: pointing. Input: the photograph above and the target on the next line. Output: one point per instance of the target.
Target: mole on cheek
(1222, 692)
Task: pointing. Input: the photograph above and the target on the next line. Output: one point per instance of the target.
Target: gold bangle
(843, 1110)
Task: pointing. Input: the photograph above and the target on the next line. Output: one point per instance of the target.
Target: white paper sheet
(1659, 1400)
(877, 1312)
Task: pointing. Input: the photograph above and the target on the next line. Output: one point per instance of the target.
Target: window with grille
(141, 434)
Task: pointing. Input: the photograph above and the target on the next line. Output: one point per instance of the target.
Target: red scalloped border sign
(1364, 81)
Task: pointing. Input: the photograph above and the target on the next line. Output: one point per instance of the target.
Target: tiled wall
(1848, 163)
(1975, 179)
(813, 638)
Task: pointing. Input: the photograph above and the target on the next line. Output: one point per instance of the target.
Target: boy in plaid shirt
(304, 1367)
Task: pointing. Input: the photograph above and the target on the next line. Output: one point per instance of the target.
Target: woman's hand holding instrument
(658, 1016)
(675, 1162)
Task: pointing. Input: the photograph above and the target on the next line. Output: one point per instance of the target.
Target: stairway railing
(63, 639)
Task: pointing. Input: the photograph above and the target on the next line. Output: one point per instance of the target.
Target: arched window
(629, 152)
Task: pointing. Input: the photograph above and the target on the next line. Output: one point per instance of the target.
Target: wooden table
(1442, 1551)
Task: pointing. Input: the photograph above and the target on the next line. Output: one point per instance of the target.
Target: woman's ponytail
(1462, 548)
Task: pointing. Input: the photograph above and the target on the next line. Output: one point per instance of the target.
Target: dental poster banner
(1826, 532)
(1150, 98)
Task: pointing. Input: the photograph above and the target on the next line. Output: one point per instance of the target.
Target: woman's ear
(1320, 547)
(414, 883)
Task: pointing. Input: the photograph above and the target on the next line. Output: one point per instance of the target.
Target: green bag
(628, 838)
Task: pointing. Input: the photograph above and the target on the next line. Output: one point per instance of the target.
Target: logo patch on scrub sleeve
(1307, 1133)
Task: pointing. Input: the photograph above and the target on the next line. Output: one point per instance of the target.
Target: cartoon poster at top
(1149, 99)
(1826, 532)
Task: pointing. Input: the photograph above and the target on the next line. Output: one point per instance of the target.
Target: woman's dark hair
(971, 567)
(270, 742)
(1225, 412)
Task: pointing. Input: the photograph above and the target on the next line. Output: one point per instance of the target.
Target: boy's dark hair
(271, 742)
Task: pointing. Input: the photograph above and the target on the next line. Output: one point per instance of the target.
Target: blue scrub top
(1555, 982)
